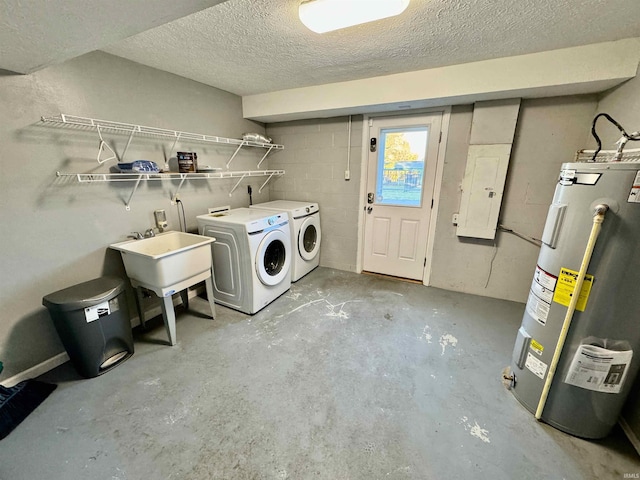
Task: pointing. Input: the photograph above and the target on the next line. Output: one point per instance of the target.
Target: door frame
(364, 165)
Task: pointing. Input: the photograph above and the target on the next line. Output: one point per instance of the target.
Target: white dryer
(304, 219)
(251, 256)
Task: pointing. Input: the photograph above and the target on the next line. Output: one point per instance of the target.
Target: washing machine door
(309, 237)
(273, 258)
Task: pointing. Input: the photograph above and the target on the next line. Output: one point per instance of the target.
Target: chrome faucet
(139, 236)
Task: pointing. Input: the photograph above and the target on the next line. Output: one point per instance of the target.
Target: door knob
(369, 209)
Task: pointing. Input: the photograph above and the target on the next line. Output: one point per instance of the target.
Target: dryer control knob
(271, 221)
(307, 209)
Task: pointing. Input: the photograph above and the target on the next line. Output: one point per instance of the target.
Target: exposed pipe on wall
(598, 218)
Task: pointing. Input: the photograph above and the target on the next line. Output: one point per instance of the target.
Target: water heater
(581, 388)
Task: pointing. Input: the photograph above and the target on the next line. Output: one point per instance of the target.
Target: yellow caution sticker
(536, 347)
(567, 284)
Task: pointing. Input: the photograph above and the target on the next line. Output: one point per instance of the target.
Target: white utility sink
(163, 262)
(166, 264)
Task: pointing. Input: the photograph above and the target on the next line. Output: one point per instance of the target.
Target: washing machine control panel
(268, 222)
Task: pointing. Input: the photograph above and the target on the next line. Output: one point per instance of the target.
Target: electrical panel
(482, 190)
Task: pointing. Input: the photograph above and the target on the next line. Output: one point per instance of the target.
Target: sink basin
(168, 262)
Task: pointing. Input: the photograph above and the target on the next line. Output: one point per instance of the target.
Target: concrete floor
(344, 377)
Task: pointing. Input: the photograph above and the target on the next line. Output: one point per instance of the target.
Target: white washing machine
(304, 219)
(251, 256)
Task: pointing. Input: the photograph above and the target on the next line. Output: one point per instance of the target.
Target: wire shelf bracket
(173, 146)
(236, 185)
(127, 205)
(265, 156)
(174, 198)
(266, 181)
(235, 153)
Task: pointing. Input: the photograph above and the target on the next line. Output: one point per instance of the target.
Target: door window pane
(401, 166)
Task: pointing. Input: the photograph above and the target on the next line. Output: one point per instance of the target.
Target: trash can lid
(85, 294)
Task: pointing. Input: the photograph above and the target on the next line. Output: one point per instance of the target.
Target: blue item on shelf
(139, 166)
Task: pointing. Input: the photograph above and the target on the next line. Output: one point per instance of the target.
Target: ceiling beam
(577, 70)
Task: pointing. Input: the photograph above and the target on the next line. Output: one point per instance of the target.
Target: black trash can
(92, 319)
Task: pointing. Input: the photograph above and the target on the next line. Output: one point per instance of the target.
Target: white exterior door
(400, 183)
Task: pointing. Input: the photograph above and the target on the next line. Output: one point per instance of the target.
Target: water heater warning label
(598, 369)
(537, 308)
(545, 279)
(541, 294)
(536, 347)
(537, 367)
(634, 195)
(567, 284)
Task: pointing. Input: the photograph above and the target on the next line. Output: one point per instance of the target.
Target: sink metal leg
(169, 318)
(140, 307)
(168, 312)
(184, 295)
(209, 285)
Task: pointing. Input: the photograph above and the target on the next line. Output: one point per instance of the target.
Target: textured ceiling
(38, 33)
(249, 47)
(257, 46)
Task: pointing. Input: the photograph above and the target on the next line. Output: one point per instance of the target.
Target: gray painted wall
(623, 104)
(315, 159)
(55, 233)
(549, 132)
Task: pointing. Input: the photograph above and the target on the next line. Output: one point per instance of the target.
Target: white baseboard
(59, 359)
(37, 370)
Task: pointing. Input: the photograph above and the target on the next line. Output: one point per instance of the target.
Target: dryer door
(309, 237)
(273, 258)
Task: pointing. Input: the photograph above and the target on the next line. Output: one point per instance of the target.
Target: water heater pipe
(598, 218)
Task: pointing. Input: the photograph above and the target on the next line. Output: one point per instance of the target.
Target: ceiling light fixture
(327, 15)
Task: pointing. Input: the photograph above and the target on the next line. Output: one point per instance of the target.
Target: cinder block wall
(549, 132)
(315, 160)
